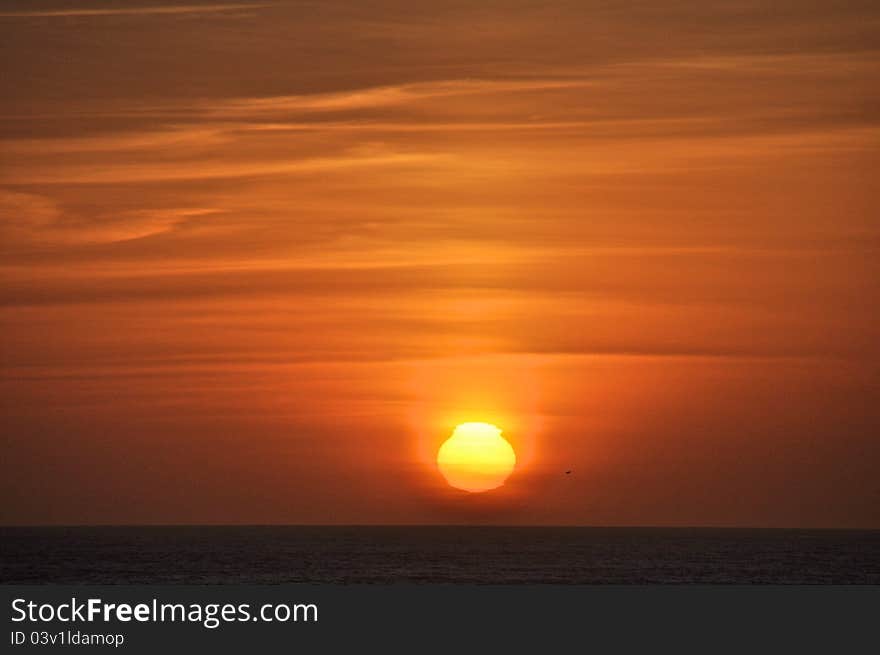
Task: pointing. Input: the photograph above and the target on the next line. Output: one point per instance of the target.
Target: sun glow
(476, 457)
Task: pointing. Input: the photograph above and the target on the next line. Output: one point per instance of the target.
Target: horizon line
(439, 525)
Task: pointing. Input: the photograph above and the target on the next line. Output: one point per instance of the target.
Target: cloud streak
(133, 11)
(385, 96)
(127, 173)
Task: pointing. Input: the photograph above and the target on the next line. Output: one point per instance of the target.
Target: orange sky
(258, 259)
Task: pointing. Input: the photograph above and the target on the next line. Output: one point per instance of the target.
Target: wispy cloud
(200, 169)
(32, 219)
(385, 96)
(134, 140)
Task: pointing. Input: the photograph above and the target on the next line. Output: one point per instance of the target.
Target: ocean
(435, 554)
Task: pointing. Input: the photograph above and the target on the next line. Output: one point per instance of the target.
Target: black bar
(410, 618)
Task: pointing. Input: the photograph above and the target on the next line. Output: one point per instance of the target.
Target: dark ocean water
(483, 555)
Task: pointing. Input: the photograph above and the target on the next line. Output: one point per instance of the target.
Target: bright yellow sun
(476, 457)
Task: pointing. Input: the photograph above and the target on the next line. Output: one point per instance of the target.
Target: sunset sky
(259, 259)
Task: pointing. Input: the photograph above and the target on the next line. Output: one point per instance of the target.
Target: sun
(476, 457)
